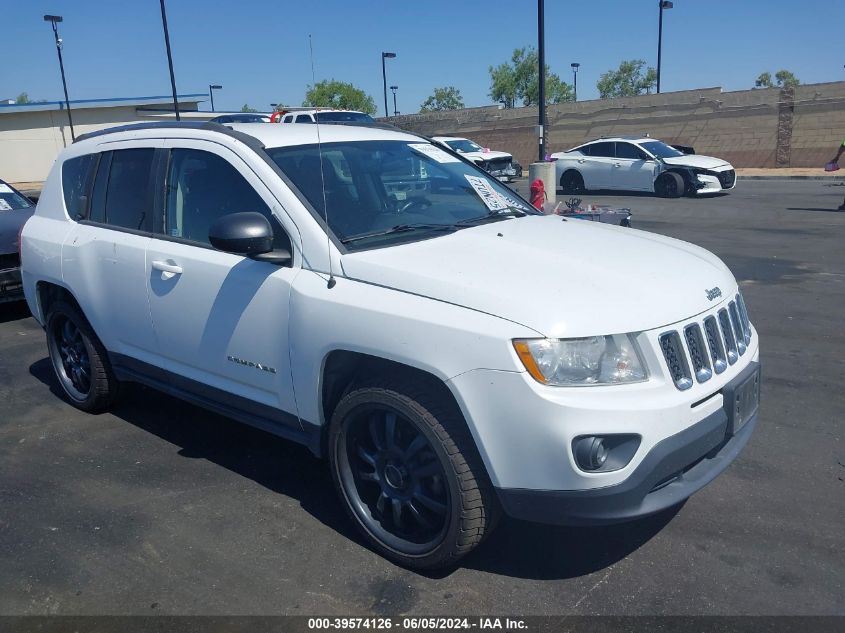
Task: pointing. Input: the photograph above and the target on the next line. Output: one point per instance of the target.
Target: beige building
(31, 135)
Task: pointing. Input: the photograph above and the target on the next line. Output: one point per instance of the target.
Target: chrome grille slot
(714, 344)
(727, 333)
(743, 315)
(739, 333)
(697, 353)
(676, 361)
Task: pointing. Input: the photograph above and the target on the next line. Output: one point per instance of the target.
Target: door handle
(581, 160)
(617, 165)
(168, 270)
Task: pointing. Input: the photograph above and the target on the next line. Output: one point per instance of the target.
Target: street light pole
(384, 78)
(541, 49)
(575, 66)
(211, 89)
(664, 4)
(169, 60)
(394, 89)
(55, 19)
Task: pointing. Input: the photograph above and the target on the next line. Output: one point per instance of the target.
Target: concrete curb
(831, 178)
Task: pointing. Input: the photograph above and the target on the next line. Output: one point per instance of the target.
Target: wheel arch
(569, 170)
(343, 369)
(685, 174)
(48, 293)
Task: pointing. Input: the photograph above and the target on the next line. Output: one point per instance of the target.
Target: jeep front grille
(697, 353)
(676, 360)
(703, 348)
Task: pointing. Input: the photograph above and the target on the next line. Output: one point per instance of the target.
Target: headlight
(596, 360)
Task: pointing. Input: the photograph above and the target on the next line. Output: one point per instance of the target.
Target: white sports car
(640, 164)
(500, 165)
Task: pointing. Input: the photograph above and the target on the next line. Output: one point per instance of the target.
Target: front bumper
(671, 472)
(11, 288)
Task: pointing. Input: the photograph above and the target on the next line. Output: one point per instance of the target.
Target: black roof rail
(247, 139)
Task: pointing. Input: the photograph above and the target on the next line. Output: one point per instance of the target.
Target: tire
(79, 359)
(669, 185)
(572, 182)
(409, 475)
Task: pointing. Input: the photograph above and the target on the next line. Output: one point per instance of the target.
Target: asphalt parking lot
(162, 508)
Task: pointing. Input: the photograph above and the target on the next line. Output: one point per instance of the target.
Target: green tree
(446, 98)
(23, 98)
(519, 79)
(783, 79)
(338, 94)
(627, 81)
(786, 79)
(764, 81)
(246, 108)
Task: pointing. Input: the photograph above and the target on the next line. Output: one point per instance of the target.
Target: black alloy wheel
(572, 182)
(669, 185)
(398, 480)
(409, 474)
(79, 359)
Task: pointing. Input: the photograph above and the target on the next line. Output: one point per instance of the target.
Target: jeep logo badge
(713, 293)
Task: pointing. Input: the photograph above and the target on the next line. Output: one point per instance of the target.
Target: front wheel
(409, 475)
(669, 185)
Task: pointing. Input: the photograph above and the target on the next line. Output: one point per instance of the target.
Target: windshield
(464, 145)
(402, 190)
(661, 150)
(10, 200)
(343, 117)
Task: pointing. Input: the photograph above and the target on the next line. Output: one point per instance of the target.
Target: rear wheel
(572, 182)
(408, 473)
(669, 185)
(79, 359)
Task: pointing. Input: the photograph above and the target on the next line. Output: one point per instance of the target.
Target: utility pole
(169, 60)
(541, 48)
(54, 20)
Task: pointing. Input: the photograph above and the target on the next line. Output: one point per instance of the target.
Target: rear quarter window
(76, 178)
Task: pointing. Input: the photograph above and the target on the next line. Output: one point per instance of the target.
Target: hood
(702, 162)
(560, 278)
(486, 155)
(10, 225)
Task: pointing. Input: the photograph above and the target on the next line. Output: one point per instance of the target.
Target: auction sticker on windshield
(435, 153)
(489, 196)
(5, 206)
(5, 189)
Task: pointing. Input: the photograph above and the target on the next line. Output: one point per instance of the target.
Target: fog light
(590, 453)
(604, 453)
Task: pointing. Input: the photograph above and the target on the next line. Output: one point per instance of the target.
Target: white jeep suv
(640, 164)
(430, 344)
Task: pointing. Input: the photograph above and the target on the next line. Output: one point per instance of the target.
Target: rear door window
(304, 118)
(122, 195)
(128, 194)
(600, 150)
(628, 150)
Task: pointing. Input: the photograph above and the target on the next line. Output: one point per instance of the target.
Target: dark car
(15, 210)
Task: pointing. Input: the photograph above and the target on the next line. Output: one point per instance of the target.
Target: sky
(258, 49)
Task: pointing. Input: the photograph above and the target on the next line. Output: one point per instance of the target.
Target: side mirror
(248, 234)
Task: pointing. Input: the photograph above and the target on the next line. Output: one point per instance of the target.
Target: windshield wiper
(400, 228)
(493, 216)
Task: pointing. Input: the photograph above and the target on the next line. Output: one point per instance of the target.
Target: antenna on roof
(332, 281)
